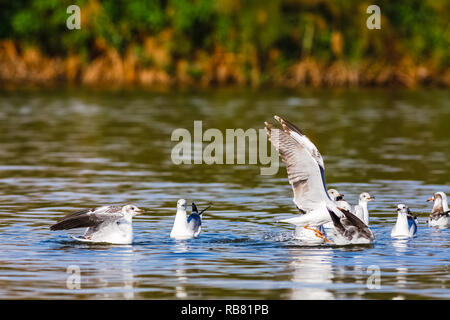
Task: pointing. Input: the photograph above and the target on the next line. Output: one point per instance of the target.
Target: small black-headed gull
(306, 174)
(338, 198)
(109, 224)
(186, 227)
(440, 214)
(361, 210)
(406, 225)
(349, 229)
(341, 203)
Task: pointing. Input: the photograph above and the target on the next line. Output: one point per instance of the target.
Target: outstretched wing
(89, 218)
(298, 135)
(305, 173)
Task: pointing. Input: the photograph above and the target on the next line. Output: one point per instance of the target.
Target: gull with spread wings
(108, 224)
(306, 174)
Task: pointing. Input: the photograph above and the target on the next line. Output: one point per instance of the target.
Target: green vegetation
(289, 42)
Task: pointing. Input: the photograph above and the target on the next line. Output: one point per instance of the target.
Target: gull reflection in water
(400, 246)
(312, 271)
(116, 278)
(180, 289)
(180, 272)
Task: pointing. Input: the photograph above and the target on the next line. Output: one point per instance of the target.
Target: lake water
(64, 150)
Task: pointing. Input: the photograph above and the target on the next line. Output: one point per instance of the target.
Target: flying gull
(306, 174)
(109, 224)
(440, 214)
(406, 225)
(186, 227)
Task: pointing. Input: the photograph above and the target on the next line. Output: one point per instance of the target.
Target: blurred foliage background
(205, 42)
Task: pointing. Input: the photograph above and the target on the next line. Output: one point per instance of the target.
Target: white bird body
(406, 225)
(361, 210)
(310, 236)
(120, 232)
(107, 224)
(186, 227)
(441, 222)
(314, 218)
(440, 214)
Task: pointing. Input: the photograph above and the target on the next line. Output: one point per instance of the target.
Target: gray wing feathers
(303, 170)
(194, 222)
(88, 218)
(298, 135)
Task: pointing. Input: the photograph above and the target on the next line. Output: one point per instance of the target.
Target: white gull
(109, 224)
(440, 214)
(406, 225)
(185, 227)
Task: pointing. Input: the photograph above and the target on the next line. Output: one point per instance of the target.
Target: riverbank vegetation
(287, 43)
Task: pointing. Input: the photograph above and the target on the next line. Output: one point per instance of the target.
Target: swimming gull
(349, 229)
(109, 224)
(361, 210)
(338, 198)
(306, 174)
(406, 225)
(440, 214)
(186, 227)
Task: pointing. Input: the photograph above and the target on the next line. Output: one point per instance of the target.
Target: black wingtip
(194, 207)
(204, 210)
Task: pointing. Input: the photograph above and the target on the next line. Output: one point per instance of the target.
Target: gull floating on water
(350, 229)
(306, 174)
(440, 214)
(338, 198)
(406, 225)
(186, 227)
(361, 210)
(110, 224)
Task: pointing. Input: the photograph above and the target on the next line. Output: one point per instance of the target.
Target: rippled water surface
(70, 149)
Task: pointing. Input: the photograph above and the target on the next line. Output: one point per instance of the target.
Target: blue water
(70, 150)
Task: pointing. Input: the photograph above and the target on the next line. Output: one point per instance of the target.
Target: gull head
(131, 210)
(365, 197)
(438, 196)
(181, 204)
(335, 195)
(402, 209)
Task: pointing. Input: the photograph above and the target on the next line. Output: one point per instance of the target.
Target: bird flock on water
(325, 217)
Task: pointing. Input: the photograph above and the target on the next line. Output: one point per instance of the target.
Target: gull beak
(431, 199)
(371, 199)
(340, 197)
(138, 211)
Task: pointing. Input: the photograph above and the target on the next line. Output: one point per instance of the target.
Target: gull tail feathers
(195, 210)
(314, 218)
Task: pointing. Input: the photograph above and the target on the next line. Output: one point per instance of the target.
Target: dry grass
(19, 66)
